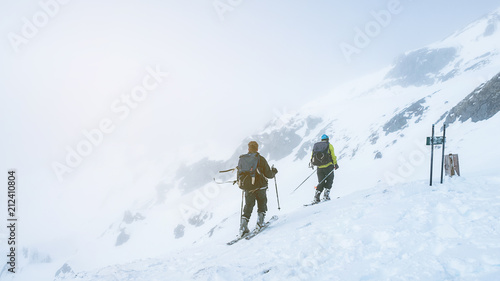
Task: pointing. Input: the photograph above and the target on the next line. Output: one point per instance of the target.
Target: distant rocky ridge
(419, 68)
(482, 104)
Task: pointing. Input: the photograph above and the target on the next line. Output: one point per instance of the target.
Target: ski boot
(316, 197)
(244, 226)
(326, 196)
(260, 219)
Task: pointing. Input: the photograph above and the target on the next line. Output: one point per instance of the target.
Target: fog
(114, 96)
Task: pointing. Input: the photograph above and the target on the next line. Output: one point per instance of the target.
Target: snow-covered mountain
(387, 223)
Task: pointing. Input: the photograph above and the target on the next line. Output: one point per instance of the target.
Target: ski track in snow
(407, 232)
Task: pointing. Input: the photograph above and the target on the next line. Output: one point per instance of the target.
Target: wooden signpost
(451, 166)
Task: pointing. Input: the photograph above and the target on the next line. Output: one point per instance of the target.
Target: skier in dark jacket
(258, 192)
(325, 173)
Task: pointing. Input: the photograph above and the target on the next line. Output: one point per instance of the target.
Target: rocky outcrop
(481, 104)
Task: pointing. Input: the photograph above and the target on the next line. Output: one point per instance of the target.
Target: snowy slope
(403, 232)
(387, 224)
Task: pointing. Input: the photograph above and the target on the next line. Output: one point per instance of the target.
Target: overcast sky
(70, 66)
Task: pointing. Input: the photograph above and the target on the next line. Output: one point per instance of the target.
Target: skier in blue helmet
(323, 156)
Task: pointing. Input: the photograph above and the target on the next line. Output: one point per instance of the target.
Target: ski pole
(225, 171)
(241, 211)
(223, 182)
(277, 196)
(303, 181)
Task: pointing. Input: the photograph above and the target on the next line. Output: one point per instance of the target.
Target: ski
(252, 233)
(315, 203)
(237, 239)
(256, 231)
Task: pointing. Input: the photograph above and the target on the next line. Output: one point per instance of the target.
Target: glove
(275, 171)
(336, 166)
(311, 165)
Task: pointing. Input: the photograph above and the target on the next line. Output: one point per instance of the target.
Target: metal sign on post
(442, 156)
(437, 140)
(432, 141)
(432, 152)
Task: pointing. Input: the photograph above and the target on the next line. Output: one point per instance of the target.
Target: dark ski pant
(258, 195)
(322, 173)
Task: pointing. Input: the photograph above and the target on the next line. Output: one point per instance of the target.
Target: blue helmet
(324, 137)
